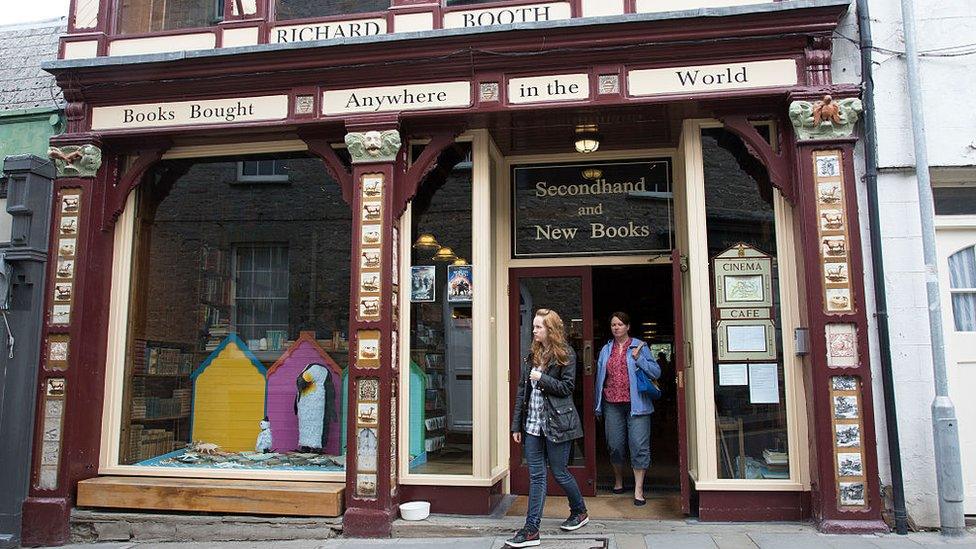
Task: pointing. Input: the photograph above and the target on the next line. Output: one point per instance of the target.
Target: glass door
(568, 291)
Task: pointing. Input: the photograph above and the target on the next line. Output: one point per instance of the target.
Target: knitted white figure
(264, 437)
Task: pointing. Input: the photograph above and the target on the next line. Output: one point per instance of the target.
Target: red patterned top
(617, 385)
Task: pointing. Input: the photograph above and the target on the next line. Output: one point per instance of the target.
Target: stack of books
(777, 464)
(216, 334)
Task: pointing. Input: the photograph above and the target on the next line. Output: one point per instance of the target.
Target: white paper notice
(732, 374)
(745, 339)
(763, 384)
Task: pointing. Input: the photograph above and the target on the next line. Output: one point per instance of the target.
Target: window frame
(117, 344)
(235, 247)
(273, 178)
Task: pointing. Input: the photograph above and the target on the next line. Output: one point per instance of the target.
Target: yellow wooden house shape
(228, 397)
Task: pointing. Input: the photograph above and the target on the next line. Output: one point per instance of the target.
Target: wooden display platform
(310, 499)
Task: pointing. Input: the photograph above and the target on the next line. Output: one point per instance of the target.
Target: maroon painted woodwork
(116, 194)
(322, 148)
(826, 509)
(422, 167)
(755, 506)
(46, 511)
(585, 475)
(455, 500)
(777, 163)
(679, 357)
(372, 516)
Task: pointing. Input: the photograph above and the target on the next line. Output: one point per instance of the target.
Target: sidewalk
(809, 540)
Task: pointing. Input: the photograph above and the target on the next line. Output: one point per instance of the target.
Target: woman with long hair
(626, 412)
(545, 421)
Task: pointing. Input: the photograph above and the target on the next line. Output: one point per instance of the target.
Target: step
(257, 497)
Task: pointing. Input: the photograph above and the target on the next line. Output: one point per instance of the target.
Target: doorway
(585, 297)
(645, 293)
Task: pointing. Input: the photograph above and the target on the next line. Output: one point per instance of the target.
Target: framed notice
(746, 340)
(743, 278)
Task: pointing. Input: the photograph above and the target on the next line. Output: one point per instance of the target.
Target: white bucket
(415, 510)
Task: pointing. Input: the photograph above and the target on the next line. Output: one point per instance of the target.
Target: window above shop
(145, 16)
(304, 9)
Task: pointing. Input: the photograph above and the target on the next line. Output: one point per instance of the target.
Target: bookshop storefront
(325, 283)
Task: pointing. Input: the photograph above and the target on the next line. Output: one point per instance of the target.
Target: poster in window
(422, 283)
(460, 286)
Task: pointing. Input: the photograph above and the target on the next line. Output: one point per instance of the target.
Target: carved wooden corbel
(322, 148)
(116, 194)
(777, 164)
(425, 163)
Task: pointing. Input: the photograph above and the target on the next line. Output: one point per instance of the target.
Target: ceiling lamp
(592, 173)
(427, 242)
(587, 138)
(444, 254)
(460, 261)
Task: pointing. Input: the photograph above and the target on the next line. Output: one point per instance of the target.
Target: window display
(441, 289)
(750, 397)
(238, 319)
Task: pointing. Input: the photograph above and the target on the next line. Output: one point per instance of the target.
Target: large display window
(441, 317)
(237, 322)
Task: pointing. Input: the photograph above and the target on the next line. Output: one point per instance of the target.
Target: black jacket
(557, 384)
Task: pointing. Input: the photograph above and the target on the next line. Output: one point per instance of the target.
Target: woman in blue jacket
(626, 412)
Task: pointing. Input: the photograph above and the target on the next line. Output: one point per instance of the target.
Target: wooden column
(371, 483)
(71, 377)
(846, 495)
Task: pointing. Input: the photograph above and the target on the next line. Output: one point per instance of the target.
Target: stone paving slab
(679, 541)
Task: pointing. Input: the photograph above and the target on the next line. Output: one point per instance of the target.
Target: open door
(568, 291)
(679, 372)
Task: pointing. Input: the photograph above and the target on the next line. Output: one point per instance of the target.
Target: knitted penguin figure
(264, 443)
(315, 407)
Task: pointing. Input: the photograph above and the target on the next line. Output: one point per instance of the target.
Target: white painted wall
(951, 133)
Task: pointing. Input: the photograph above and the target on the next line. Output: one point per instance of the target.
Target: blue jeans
(540, 452)
(627, 434)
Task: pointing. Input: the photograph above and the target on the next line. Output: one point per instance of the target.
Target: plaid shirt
(535, 422)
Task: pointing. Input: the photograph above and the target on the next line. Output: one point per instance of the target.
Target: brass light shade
(426, 241)
(592, 174)
(587, 138)
(460, 261)
(444, 254)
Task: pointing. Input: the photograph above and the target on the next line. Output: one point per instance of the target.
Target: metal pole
(877, 267)
(945, 427)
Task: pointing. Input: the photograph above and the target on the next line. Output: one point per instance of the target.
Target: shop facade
(302, 253)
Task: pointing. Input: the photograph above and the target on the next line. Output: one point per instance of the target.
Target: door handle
(588, 357)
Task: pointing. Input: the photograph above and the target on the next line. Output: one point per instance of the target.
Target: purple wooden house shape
(282, 390)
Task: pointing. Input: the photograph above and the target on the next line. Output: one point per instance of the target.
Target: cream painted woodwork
(955, 234)
(119, 301)
(163, 44)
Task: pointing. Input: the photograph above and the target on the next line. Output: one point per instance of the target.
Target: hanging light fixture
(587, 138)
(426, 242)
(592, 173)
(460, 261)
(444, 254)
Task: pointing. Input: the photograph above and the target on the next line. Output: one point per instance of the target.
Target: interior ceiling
(553, 131)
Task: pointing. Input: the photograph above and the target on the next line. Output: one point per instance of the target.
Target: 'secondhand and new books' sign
(595, 208)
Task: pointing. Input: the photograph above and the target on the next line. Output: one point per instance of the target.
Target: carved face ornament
(373, 142)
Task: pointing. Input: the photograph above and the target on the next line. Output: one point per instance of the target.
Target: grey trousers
(627, 434)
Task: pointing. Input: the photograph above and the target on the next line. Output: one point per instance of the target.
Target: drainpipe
(877, 266)
(945, 426)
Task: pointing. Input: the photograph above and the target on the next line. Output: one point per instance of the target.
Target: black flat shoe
(618, 490)
(639, 502)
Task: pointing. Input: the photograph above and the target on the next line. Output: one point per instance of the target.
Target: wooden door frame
(586, 475)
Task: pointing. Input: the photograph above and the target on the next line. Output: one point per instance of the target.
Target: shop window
(441, 318)
(141, 16)
(302, 9)
(262, 171)
(238, 321)
(750, 394)
(962, 283)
